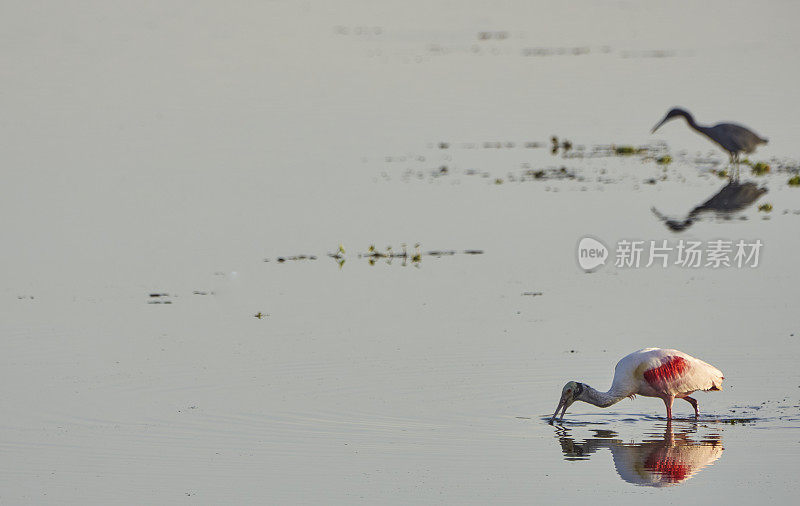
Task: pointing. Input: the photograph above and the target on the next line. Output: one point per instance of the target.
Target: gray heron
(733, 138)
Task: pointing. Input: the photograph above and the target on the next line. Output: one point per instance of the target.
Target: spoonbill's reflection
(664, 460)
(731, 198)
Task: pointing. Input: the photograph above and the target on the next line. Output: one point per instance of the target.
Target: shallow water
(181, 150)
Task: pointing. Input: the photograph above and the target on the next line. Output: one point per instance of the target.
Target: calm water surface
(167, 166)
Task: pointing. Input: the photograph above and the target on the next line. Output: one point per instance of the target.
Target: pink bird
(652, 372)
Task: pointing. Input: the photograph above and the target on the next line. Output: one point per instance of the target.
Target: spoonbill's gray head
(571, 392)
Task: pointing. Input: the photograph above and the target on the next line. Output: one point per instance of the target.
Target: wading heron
(734, 139)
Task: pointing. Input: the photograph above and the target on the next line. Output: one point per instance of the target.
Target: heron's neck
(602, 399)
(690, 119)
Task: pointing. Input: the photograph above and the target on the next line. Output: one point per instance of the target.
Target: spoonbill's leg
(693, 402)
(668, 403)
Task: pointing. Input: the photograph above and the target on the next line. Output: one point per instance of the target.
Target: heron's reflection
(732, 197)
(663, 460)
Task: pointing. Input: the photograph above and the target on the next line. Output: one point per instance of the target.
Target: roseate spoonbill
(652, 372)
(662, 462)
(733, 138)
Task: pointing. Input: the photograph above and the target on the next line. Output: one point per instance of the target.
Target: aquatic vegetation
(559, 173)
(625, 150)
(260, 315)
(159, 298)
(339, 252)
(293, 258)
(739, 421)
(794, 181)
(760, 168)
(417, 255)
(372, 255)
(630, 150)
(565, 145)
(420, 167)
(766, 207)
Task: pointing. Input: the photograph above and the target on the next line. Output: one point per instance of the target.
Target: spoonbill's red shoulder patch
(670, 369)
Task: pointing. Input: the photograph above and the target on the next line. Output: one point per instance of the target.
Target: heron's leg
(738, 166)
(668, 403)
(731, 167)
(693, 402)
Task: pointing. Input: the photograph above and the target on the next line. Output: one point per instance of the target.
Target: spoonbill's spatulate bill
(652, 372)
(733, 138)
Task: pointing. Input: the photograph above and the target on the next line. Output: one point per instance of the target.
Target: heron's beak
(658, 126)
(563, 404)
